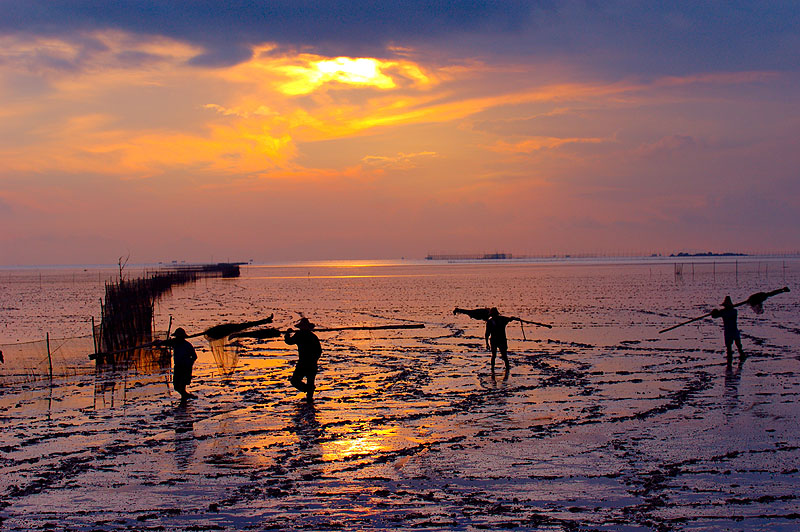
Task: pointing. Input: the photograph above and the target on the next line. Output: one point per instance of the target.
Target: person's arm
(288, 338)
(487, 334)
(192, 354)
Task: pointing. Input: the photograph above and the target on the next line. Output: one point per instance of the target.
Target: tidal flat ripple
(600, 424)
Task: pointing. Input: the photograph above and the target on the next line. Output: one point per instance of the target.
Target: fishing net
(226, 355)
(27, 362)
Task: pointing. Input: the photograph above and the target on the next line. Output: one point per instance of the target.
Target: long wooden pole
(274, 333)
(754, 299)
(535, 323)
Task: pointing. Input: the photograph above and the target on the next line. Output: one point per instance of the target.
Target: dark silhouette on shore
(183, 356)
(496, 339)
(756, 302)
(308, 352)
(728, 314)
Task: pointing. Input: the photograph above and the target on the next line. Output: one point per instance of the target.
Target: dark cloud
(228, 29)
(616, 36)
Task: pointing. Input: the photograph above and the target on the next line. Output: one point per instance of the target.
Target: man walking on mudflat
(496, 334)
(729, 316)
(183, 355)
(308, 353)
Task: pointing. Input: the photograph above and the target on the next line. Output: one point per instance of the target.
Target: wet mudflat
(600, 424)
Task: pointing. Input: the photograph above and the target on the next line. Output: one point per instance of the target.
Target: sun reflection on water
(364, 443)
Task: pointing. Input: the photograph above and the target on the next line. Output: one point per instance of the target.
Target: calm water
(601, 424)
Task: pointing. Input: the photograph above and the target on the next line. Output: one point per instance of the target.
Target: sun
(359, 71)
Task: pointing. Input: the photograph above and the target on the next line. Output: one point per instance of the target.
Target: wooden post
(49, 358)
(94, 336)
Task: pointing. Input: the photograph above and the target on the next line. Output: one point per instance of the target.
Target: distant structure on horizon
(483, 256)
(708, 254)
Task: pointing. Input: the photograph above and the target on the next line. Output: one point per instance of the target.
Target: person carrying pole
(496, 339)
(184, 356)
(728, 314)
(308, 352)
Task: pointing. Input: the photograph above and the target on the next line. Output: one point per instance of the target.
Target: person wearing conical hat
(183, 355)
(308, 352)
(496, 335)
(730, 327)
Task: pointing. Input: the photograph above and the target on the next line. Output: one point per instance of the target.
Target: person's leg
(297, 379)
(180, 387)
(494, 353)
(310, 386)
(729, 347)
(504, 355)
(739, 347)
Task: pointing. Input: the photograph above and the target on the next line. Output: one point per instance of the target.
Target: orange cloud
(542, 143)
(250, 118)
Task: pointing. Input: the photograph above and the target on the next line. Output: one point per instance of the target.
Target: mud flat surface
(600, 424)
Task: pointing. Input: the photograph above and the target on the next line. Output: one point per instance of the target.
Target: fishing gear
(274, 333)
(226, 329)
(756, 301)
(212, 334)
(483, 314)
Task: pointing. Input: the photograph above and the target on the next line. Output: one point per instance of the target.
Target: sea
(602, 422)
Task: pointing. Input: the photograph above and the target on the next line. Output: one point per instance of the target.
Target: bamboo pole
(754, 299)
(49, 358)
(274, 333)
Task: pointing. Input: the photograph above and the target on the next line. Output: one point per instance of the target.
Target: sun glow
(360, 71)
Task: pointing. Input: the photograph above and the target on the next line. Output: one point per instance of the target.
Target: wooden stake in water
(49, 358)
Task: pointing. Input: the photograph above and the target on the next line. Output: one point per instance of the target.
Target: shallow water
(602, 423)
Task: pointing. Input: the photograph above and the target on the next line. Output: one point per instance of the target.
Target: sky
(314, 129)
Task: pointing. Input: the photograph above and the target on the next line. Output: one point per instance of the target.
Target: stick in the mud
(755, 301)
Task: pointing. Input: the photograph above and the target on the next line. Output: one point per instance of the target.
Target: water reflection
(309, 433)
(506, 374)
(185, 442)
(733, 376)
(369, 443)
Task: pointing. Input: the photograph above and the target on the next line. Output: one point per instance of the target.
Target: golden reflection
(366, 443)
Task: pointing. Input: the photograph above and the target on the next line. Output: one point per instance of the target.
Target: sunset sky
(313, 129)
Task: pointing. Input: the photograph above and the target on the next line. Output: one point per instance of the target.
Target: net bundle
(225, 354)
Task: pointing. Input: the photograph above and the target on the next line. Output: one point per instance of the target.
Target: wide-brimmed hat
(727, 302)
(180, 333)
(304, 324)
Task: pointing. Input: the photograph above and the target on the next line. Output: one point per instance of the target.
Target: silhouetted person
(728, 314)
(2, 360)
(496, 334)
(183, 356)
(308, 353)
